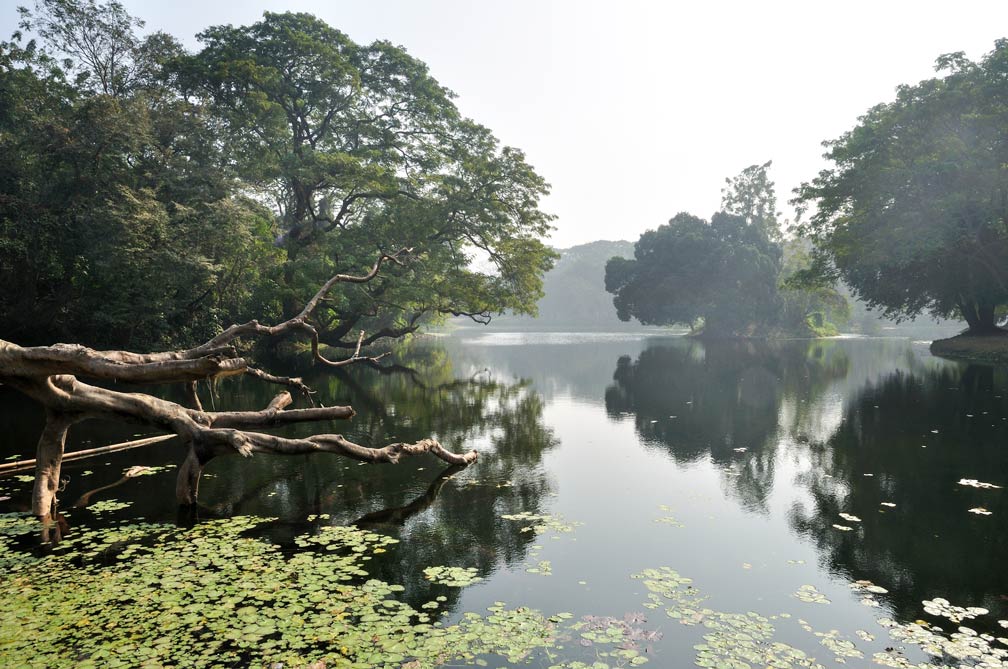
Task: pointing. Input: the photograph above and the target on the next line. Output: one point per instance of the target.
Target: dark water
(605, 430)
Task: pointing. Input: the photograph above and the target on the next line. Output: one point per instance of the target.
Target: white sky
(635, 110)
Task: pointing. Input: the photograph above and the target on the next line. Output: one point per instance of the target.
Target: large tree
(913, 213)
(149, 196)
(723, 271)
(118, 225)
(51, 375)
(358, 147)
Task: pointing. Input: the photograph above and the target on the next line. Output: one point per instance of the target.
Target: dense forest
(150, 196)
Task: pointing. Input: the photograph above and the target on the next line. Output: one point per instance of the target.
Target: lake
(809, 489)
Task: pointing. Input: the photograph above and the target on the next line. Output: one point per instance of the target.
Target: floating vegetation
(980, 511)
(544, 568)
(625, 633)
(973, 483)
(740, 640)
(849, 518)
(809, 594)
(542, 522)
(669, 519)
(868, 586)
(108, 506)
(840, 647)
(963, 648)
(942, 607)
(153, 595)
(455, 577)
(734, 640)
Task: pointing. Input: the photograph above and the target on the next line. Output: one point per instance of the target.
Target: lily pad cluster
(208, 596)
(733, 640)
(939, 606)
(108, 506)
(455, 577)
(740, 640)
(868, 590)
(962, 648)
(668, 519)
(809, 594)
(540, 523)
(632, 641)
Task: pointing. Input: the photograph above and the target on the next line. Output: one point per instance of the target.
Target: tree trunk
(48, 374)
(980, 318)
(187, 484)
(48, 461)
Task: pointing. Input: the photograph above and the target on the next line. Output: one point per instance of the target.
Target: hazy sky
(634, 111)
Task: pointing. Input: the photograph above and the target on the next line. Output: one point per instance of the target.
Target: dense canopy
(723, 271)
(150, 196)
(913, 213)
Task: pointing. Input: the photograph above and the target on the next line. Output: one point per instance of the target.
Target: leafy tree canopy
(149, 195)
(913, 213)
(359, 147)
(726, 273)
(723, 271)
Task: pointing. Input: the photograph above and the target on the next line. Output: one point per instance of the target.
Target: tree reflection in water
(449, 518)
(720, 400)
(861, 424)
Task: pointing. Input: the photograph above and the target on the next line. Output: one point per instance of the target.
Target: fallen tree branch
(8, 468)
(48, 374)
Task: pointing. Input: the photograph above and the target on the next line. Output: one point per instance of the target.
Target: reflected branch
(400, 514)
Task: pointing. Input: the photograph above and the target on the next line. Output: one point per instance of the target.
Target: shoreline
(991, 348)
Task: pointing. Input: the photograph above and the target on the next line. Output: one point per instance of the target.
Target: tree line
(911, 217)
(150, 195)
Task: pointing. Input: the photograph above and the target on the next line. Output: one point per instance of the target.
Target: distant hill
(576, 298)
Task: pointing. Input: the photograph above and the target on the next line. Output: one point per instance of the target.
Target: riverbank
(992, 348)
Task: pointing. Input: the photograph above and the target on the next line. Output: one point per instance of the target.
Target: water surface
(728, 462)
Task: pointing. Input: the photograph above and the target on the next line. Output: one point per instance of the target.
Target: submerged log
(49, 375)
(22, 465)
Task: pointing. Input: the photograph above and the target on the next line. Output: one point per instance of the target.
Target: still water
(728, 462)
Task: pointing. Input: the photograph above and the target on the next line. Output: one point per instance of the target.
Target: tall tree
(751, 195)
(358, 148)
(913, 214)
(118, 226)
(724, 272)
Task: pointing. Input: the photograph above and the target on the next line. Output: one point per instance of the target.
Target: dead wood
(49, 375)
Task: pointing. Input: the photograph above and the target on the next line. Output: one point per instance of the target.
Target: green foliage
(751, 194)
(813, 307)
(149, 197)
(723, 272)
(913, 214)
(727, 273)
(361, 149)
(117, 227)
